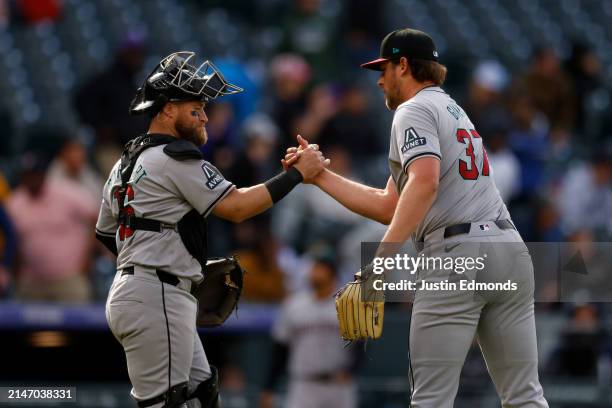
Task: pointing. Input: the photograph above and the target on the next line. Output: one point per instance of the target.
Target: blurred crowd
(546, 126)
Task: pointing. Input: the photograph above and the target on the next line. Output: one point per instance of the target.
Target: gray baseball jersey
(432, 124)
(445, 323)
(310, 328)
(163, 189)
(155, 321)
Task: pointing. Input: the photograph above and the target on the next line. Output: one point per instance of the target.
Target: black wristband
(280, 185)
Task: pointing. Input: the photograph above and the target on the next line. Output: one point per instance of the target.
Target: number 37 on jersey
(468, 169)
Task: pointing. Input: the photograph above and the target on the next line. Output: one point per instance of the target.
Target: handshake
(307, 159)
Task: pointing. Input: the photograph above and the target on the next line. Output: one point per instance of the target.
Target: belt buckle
(163, 226)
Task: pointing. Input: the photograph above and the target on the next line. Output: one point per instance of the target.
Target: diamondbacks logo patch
(213, 178)
(412, 140)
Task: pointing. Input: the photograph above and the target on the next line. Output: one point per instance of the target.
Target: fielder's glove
(360, 307)
(219, 292)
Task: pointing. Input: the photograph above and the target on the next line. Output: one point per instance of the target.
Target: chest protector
(192, 227)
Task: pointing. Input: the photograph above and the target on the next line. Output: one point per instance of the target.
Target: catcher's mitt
(360, 309)
(219, 292)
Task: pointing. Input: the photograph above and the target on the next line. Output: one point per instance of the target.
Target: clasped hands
(306, 158)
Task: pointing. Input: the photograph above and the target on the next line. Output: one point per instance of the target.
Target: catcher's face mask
(176, 78)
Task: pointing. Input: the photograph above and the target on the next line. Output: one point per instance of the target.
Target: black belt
(163, 276)
(147, 224)
(465, 228)
(323, 377)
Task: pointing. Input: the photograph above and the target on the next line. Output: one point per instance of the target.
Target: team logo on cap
(412, 140)
(213, 178)
(435, 54)
(395, 50)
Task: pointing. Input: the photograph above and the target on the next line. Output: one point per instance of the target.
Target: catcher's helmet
(176, 78)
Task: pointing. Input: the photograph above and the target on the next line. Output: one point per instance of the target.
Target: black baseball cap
(404, 43)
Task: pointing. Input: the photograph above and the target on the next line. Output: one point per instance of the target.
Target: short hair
(425, 70)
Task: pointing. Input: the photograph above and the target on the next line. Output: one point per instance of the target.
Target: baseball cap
(406, 42)
(324, 253)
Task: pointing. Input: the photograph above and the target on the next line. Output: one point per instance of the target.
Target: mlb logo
(484, 227)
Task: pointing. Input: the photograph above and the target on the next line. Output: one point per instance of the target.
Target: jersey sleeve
(415, 134)
(199, 182)
(107, 224)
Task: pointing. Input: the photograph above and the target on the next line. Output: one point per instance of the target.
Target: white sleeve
(415, 133)
(199, 182)
(107, 223)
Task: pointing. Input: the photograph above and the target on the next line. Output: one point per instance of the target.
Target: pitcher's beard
(391, 104)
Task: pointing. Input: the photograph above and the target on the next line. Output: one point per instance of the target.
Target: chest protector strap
(192, 227)
(127, 219)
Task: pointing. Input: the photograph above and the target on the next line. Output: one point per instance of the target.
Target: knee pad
(175, 397)
(207, 392)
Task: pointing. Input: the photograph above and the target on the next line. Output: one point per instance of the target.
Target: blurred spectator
(54, 221)
(485, 104)
(308, 215)
(37, 11)
(264, 281)
(5, 13)
(243, 104)
(5, 190)
(306, 336)
(550, 90)
(246, 168)
(586, 273)
(546, 223)
(585, 199)
(352, 126)
(257, 162)
(103, 101)
(584, 69)
(362, 26)
(506, 167)
(310, 32)
(8, 249)
(322, 105)
(233, 386)
(581, 345)
(290, 76)
(529, 140)
(71, 165)
(6, 124)
(8, 240)
(220, 149)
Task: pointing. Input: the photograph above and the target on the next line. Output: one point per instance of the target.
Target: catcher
(153, 217)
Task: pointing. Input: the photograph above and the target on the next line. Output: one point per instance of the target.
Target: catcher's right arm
(360, 315)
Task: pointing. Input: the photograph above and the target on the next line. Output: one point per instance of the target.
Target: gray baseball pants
(155, 324)
(445, 323)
